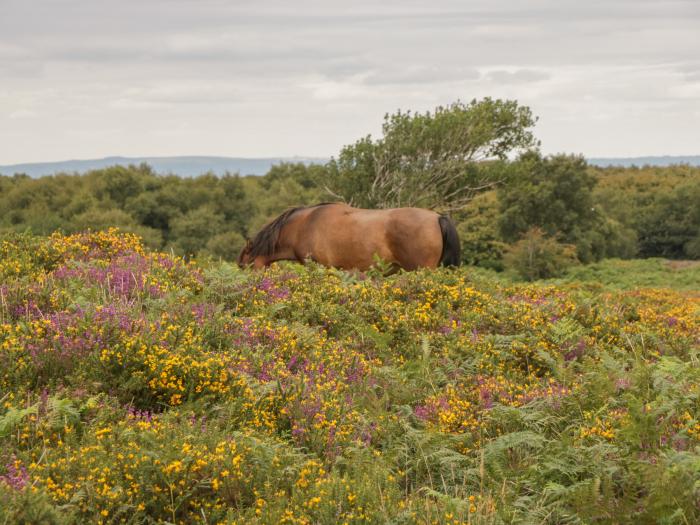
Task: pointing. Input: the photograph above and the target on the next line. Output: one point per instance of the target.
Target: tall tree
(671, 226)
(434, 159)
(554, 194)
(551, 193)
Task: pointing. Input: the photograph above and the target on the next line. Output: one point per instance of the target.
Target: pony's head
(261, 250)
(245, 258)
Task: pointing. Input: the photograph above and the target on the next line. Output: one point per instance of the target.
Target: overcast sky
(92, 78)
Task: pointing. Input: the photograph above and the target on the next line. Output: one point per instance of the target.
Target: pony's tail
(450, 242)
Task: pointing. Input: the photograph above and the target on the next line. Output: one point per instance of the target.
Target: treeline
(536, 215)
(557, 211)
(557, 205)
(205, 215)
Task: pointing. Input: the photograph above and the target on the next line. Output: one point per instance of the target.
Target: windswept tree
(435, 159)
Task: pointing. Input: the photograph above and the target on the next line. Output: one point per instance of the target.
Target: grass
(638, 273)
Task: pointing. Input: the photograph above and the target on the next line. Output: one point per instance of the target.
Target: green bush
(480, 239)
(536, 256)
(226, 246)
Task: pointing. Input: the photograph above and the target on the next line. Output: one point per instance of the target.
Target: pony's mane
(266, 241)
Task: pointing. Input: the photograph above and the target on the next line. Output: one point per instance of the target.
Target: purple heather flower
(486, 398)
(622, 383)
(16, 478)
(576, 352)
(424, 412)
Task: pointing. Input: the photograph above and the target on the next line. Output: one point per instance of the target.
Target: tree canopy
(433, 159)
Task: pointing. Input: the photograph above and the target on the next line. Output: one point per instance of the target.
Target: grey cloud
(12, 71)
(554, 31)
(520, 76)
(690, 71)
(17, 62)
(191, 93)
(96, 53)
(285, 70)
(420, 75)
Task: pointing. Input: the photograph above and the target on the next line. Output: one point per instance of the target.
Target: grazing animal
(338, 235)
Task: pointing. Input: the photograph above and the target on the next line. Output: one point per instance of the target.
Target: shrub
(536, 256)
(478, 232)
(226, 246)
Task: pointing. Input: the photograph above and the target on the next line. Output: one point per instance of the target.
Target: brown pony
(335, 234)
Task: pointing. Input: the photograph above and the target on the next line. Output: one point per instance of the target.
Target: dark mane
(266, 241)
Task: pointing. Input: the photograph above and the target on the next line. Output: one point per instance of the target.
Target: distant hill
(192, 166)
(666, 160)
(185, 166)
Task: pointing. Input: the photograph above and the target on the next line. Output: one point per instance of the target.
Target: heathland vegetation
(136, 387)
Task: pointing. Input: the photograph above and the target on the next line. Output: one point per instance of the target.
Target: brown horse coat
(335, 234)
